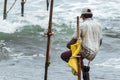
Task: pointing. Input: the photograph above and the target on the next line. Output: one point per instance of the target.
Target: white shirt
(91, 34)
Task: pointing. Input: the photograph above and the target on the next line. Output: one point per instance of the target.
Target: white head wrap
(86, 11)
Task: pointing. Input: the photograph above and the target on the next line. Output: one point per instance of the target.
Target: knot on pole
(49, 33)
(48, 63)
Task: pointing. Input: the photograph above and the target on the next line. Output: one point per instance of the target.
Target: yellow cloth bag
(73, 62)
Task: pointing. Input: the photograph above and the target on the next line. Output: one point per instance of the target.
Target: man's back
(91, 34)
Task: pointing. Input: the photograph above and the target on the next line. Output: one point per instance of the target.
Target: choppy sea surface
(23, 43)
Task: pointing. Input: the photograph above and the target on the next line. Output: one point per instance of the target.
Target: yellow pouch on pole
(73, 63)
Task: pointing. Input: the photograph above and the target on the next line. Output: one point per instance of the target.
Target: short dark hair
(87, 15)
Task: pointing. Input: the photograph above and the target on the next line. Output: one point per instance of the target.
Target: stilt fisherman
(91, 36)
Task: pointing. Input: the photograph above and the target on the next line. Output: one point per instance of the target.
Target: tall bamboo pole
(79, 58)
(49, 33)
(78, 28)
(79, 68)
(5, 10)
(22, 7)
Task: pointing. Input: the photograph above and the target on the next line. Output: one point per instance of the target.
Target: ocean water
(23, 43)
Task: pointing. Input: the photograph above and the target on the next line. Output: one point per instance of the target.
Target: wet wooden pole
(5, 10)
(22, 7)
(49, 34)
(79, 58)
(47, 3)
(79, 68)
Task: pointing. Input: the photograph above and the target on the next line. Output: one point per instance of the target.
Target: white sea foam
(113, 62)
(66, 10)
(8, 27)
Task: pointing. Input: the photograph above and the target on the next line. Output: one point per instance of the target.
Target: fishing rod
(5, 10)
(49, 34)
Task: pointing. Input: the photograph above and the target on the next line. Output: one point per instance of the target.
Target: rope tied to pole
(11, 6)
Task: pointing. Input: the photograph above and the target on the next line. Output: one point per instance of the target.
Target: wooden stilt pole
(22, 7)
(47, 3)
(49, 33)
(5, 10)
(78, 28)
(79, 68)
(79, 58)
